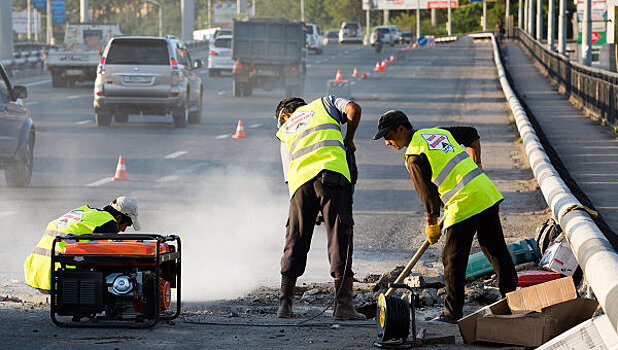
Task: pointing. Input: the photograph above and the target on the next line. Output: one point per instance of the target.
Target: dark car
(407, 38)
(16, 134)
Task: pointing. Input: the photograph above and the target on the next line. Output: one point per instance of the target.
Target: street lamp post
(155, 2)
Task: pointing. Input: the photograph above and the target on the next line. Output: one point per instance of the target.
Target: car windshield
(143, 51)
(223, 42)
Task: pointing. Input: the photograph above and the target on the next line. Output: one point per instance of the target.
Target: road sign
(57, 7)
(39, 4)
(422, 41)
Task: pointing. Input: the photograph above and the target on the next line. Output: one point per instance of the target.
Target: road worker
(315, 168)
(445, 175)
(119, 214)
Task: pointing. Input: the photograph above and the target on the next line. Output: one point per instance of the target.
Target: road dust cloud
(232, 230)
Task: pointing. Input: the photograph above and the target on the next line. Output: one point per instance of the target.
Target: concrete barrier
(593, 251)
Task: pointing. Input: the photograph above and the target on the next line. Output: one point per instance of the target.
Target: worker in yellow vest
(114, 218)
(447, 175)
(315, 167)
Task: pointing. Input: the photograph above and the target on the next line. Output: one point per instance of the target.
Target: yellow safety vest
(82, 220)
(313, 139)
(463, 187)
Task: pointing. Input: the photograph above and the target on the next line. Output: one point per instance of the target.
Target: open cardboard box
(529, 316)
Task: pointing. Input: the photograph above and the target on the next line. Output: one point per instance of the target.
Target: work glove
(433, 232)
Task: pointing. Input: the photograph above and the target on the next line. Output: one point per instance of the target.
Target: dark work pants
(335, 202)
(486, 225)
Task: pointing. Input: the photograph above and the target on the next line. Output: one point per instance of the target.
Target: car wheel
(18, 172)
(180, 116)
(121, 118)
(195, 117)
(103, 118)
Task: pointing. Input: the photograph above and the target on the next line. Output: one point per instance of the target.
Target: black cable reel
(395, 318)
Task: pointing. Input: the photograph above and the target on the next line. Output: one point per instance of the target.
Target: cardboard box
(558, 310)
(596, 334)
(560, 258)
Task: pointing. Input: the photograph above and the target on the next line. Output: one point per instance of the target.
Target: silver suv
(147, 75)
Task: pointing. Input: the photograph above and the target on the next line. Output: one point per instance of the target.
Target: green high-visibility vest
(463, 187)
(313, 139)
(83, 220)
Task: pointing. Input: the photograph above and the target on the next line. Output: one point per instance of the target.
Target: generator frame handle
(120, 237)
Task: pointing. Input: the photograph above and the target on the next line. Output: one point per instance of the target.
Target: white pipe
(593, 251)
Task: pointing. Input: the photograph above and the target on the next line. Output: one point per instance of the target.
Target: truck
(80, 56)
(268, 53)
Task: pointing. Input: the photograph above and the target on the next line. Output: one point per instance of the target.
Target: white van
(388, 35)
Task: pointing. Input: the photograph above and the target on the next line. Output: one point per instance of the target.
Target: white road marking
(175, 154)
(222, 136)
(169, 178)
(84, 122)
(5, 214)
(221, 93)
(256, 125)
(32, 103)
(75, 97)
(100, 182)
(35, 83)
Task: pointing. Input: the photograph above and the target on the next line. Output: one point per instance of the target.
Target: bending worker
(444, 174)
(316, 170)
(115, 217)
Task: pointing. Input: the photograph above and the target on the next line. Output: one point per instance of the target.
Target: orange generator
(115, 280)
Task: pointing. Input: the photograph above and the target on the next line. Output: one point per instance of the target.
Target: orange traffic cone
(382, 66)
(377, 68)
(385, 61)
(121, 171)
(240, 131)
(392, 59)
(355, 73)
(338, 75)
(364, 76)
(414, 46)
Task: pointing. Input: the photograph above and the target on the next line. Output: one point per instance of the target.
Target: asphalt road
(225, 197)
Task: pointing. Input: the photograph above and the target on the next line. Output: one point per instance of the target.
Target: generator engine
(102, 281)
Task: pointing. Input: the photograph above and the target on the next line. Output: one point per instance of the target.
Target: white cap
(127, 206)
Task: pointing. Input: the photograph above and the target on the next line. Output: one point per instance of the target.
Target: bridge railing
(594, 90)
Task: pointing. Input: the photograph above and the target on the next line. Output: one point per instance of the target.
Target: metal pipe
(449, 23)
(49, 19)
(539, 20)
(302, 10)
(507, 17)
(520, 15)
(532, 18)
(418, 19)
(593, 251)
(387, 17)
(83, 11)
(484, 15)
(29, 21)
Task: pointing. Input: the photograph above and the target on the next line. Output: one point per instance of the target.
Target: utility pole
(387, 18)
(37, 17)
(484, 15)
(562, 28)
(520, 15)
(418, 19)
(551, 26)
(532, 17)
(368, 20)
(302, 10)
(434, 18)
(507, 13)
(449, 25)
(6, 30)
(187, 11)
(29, 21)
(539, 20)
(209, 13)
(587, 34)
(49, 19)
(84, 17)
(526, 14)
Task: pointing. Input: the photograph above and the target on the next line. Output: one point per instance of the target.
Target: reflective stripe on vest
(463, 187)
(83, 220)
(313, 139)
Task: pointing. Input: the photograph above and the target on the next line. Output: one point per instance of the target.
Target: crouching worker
(315, 167)
(115, 217)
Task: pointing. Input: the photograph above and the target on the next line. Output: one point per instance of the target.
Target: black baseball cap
(390, 120)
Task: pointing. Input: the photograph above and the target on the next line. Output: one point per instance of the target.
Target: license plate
(73, 72)
(136, 79)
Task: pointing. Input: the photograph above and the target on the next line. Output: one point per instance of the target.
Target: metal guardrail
(593, 90)
(593, 251)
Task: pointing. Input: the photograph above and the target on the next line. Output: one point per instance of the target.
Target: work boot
(286, 296)
(344, 308)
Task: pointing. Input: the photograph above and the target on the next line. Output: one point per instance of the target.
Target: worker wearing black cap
(445, 175)
(318, 176)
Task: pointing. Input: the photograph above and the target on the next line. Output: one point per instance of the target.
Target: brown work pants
(335, 202)
(486, 225)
